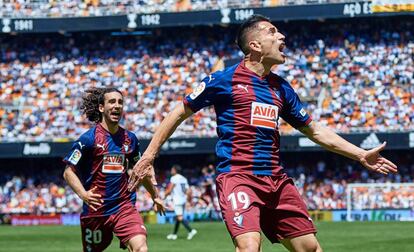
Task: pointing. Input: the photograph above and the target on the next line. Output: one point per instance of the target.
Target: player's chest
(256, 104)
(111, 157)
(245, 94)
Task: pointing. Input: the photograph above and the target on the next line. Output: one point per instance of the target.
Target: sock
(177, 225)
(186, 225)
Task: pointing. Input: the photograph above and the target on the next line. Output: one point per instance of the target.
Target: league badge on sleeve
(302, 112)
(198, 90)
(75, 157)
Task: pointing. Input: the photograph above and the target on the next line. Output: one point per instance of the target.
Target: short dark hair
(91, 100)
(246, 27)
(177, 168)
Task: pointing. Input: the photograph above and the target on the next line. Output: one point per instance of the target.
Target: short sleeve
(186, 184)
(204, 94)
(293, 111)
(136, 152)
(79, 150)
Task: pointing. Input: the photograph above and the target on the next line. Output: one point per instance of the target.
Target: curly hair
(91, 100)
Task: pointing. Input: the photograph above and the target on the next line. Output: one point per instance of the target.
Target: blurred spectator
(353, 78)
(46, 193)
(83, 8)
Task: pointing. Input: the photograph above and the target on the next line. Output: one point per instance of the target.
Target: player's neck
(110, 127)
(257, 66)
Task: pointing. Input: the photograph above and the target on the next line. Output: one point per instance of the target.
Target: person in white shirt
(180, 191)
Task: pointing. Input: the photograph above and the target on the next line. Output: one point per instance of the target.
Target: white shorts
(179, 209)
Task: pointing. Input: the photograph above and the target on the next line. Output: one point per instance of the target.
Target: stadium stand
(351, 78)
(82, 8)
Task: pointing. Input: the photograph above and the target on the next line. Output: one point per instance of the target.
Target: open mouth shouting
(115, 115)
(281, 50)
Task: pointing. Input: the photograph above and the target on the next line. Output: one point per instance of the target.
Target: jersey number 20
(94, 236)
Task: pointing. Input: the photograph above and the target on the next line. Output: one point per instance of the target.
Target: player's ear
(255, 46)
(101, 108)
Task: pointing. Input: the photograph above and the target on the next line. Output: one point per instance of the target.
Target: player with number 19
(255, 194)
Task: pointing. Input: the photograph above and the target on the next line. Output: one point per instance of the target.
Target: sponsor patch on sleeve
(198, 90)
(75, 157)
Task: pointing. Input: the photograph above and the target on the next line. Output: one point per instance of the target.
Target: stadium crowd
(85, 8)
(321, 182)
(351, 78)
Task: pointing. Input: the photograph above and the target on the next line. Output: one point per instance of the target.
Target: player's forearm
(168, 190)
(150, 187)
(73, 181)
(331, 141)
(167, 128)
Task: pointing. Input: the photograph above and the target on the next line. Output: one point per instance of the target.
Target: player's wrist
(149, 156)
(83, 195)
(361, 155)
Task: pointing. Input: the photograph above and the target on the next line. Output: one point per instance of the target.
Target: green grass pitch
(333, 236)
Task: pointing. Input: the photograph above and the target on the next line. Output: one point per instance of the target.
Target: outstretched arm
(143, 167)
(169, 189)
(331, 141)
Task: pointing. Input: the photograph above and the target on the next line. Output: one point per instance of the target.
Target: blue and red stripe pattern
(101, 160)
(247, 108)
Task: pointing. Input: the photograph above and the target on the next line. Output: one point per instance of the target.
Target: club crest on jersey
(239, 220)
(75, 157)
(113, 163)
(264, 115)
(198, 90)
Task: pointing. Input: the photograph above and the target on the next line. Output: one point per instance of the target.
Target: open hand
(143, 168)
(373, 161)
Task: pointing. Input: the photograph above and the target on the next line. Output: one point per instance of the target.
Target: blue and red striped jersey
(101, 160)
(247, 108)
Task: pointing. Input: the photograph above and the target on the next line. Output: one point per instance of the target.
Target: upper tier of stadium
(86, 8)
(351, 77)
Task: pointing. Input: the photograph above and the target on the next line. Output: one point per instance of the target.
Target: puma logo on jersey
(264, 115)
(81, 145)
(113, 163)
(244, 87)
(101, 146)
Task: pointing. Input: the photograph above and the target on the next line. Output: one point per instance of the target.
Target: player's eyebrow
(273, 29)
(113, 100)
